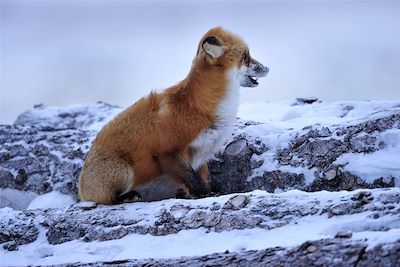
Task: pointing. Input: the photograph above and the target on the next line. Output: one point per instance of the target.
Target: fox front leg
(175, 166)
(204, 173)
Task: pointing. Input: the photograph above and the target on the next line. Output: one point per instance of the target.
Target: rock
(73, 117)
(340, 209)
(41, 153)
(346, 234)
(237, 202)
(179, 211)
(21, 177)
(330, 174)
(242, 211)
(17, 228)
(363, 197)
(305, 100)
(311, 248)
(53, 163)
(235, 147)
(86, 205)
(45, 148)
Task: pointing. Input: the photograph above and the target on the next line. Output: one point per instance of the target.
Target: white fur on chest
(211, 140)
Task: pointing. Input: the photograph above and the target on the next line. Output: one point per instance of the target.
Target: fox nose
(266, 70)
(261, 70)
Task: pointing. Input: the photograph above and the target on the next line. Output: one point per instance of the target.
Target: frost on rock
(17, 229)
(269, 216)
(45, 150)
(37, 160)
(308, 162)
(77, 116)
(305, 144)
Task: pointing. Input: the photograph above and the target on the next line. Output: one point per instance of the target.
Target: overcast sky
(66, 52)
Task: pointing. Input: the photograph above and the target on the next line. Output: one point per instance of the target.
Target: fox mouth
(253, 80)
(252, 73)
(249, 81)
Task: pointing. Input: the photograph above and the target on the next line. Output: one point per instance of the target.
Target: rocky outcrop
(40, 160)
(71, 117)
(89, 222)
(45, 148)
(311, 152)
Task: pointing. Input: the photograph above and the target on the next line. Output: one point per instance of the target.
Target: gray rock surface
(39, 160)
(17, 229)
(45, 148)
(42, 152)
(93, 222)
(314, 149)
(89, 222)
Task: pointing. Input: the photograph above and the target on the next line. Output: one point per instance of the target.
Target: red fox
(159, 147)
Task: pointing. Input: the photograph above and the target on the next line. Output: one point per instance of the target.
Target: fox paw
(131, 196)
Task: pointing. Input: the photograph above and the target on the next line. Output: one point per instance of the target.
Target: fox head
(221, 48)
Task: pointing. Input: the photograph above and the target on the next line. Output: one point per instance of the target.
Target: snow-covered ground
(292, 114)
(281, 121)
(202, 241)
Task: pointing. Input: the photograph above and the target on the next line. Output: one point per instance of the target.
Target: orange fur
(126, 152)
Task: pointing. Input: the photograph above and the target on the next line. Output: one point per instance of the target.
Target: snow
(9, 195)
(53, 199)
(291, 115)
(283, 120)
(136, 246)
(89, 116)
(376, 238)
(382, 163)
(368, 167)
(198, 242)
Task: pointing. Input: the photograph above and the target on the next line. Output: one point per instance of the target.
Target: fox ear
(213, 47)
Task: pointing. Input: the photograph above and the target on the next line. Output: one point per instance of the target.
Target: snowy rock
(305, 100)
(237, 202)
(355, 146)
(37, 160)
(45, 149)
(17, 228)
(330, 174)
(346, 234)
(236, 147)
(86, 205)
(72, 117)
(294, 212)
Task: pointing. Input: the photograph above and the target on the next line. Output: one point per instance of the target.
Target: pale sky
(66, 52)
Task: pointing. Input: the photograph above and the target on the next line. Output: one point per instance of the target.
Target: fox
(160, 146)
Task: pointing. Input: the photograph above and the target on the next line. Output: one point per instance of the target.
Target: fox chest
(208, 143)
(211, 140)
